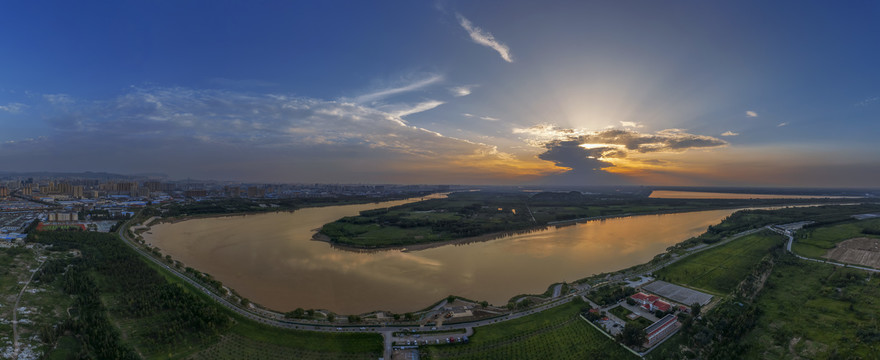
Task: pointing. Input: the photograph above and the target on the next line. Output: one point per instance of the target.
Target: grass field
(817, 311)
(558, 333)
(816, 242)
(719, 270)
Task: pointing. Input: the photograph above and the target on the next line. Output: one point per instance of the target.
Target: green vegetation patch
(817, 241)
(469, 214)
(817, 311)
(558, 333)
(721, 269)
(126, 308)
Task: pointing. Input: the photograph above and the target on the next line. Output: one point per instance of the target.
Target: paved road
(791, 240)
(387, 331)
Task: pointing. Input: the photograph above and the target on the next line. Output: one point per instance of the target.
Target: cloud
(868, 101)
(420, 107)
(467, 115)
(258, 137)
(13, 108)
(489, 118)
(782, 124)
(58, 98)
(615, 143)
(485, 38)
(751, 114)
(463, 90)
(631, 124)
(412, 86)
(729, 133)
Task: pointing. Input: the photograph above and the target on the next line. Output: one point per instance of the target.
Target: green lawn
(720, 270)
(817, 242)
(558, 333)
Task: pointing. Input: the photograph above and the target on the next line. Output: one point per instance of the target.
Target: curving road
(791, 240)
(386, 331)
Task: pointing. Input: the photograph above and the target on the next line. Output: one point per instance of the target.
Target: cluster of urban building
(97, 203)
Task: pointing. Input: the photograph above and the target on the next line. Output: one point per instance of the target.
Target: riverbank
(426, 245)
(415, 244)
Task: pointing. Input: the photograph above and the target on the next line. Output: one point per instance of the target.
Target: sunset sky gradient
(745, 93)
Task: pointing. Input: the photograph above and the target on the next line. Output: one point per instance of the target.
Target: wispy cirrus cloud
(782, 124)
(487, 118)
(391, 91)
(262, 137)
(751, 114)
(13, 108)
(484, 38)
(869, 101)
(729, 133)
(420, 107)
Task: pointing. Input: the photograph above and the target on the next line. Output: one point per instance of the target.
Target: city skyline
(558, 93)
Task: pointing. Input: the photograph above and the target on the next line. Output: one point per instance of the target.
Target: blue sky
(502, 92)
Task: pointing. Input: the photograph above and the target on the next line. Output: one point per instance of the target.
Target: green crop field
(720, 269)
(558, 333)
(815, 242)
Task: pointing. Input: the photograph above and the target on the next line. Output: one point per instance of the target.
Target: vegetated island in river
(480, 215)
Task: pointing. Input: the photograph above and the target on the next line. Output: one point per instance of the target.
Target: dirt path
(15, 345)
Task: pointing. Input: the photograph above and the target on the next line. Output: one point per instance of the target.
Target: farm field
(816, 242)
(558, 333)
(719, 270)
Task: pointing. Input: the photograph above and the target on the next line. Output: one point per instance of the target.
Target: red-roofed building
(660, 305)
(651, 302)
(661, 329)
(641, 298)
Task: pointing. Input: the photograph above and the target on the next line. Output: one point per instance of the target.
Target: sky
(744, 93)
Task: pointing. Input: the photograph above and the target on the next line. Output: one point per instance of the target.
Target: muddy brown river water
(272, 260)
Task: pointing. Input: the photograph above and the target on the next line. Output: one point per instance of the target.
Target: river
(272, 260)
(671, 194)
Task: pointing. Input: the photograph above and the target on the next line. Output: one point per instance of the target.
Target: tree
(695, 309)
(295, 314)
(484, 303)
(450, 298)
(632, 336)
(331, 317)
